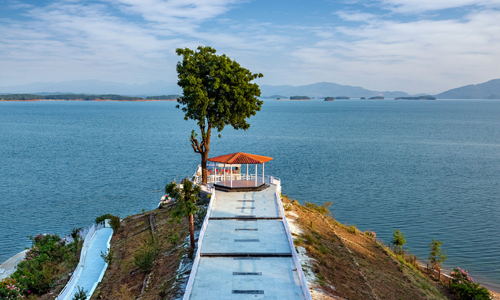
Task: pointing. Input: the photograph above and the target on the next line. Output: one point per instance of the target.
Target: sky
(416, 46)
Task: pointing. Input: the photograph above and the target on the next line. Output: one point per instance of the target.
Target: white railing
(66, 293)
(305, 288)
(227, 177)
(189, 286)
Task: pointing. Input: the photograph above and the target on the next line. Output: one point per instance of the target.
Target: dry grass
(351, 265)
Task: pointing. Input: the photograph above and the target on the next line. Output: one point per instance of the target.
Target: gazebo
(230, 178)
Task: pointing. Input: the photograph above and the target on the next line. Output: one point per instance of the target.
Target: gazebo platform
(240, 186)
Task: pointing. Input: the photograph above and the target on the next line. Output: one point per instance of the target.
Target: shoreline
(96, 100)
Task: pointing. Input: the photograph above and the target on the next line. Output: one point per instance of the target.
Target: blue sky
(415, 46)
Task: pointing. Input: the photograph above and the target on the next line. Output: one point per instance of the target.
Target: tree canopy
(217, 92)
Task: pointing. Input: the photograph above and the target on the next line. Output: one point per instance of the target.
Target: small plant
(437, 256)
(174, 238)
(108, 256)
(145, 257)
(75, 233)
(299, 241)
(463, 285)
(398, 240)
(143, 210)
(323, 209)
(310, 239)
(352, 229)
(80, 295)
(287, 207)
(322, 249)
(200, 216)
(371, 234)
(295, 202)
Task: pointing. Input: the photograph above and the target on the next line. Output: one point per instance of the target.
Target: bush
(463, 285)
(144, 258)
(100, 220)
(115, 223)
(37, 271)
(371, 234)
(11, 289)
(322, 209)
(352, 229)
(287, 207)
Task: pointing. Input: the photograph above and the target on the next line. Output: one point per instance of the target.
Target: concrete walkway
(94, 264)
(245, 252)
(10, 265)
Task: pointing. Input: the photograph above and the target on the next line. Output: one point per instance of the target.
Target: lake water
(429, 168)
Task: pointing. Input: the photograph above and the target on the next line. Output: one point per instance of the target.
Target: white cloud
(417, 6)
(421, 56)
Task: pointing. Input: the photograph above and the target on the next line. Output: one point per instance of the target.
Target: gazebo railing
(250, 177)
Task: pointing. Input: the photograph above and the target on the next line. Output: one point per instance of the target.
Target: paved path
(245, 252)
(94, 264)
(10, 265)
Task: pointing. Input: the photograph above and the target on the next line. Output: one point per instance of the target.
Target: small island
(329, 99)
(363, 98)
(423, 97)
(83, 97)
(376, 98)
(300, 98)
(342, 98)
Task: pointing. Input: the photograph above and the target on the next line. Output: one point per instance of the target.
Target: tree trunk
(191, 231)
(204, 173)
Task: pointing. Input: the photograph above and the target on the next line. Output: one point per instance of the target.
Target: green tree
(216, 92)
(437, 256)
(398, 240)
(185, 199)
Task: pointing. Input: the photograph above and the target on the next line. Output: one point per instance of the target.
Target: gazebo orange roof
(241, 158)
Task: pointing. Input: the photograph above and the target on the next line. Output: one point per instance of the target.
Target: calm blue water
(429, 168)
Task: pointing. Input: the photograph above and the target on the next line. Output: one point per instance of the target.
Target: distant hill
(486, 90)
(95, 87)
(324, 89)
(59, 96)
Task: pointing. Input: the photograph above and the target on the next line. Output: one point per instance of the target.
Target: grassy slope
(336, 250)
(124, 280)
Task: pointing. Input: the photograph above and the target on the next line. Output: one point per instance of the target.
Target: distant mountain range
(487, 90)
(325, 89)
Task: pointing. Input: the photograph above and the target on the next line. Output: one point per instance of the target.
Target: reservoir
(428, 168)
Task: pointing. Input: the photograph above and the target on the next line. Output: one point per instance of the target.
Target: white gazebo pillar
(255, 174)
(247, 173)
(231, 174)
(263, 173)
(224, 173)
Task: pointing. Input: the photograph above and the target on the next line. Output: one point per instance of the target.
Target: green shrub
(398, 240)
(323, 209)
(100, 220)
(115, 223)
(108, 256)
(144, 258)
(37, 271)
(299, 241)
(463, 285)
(174, 238)
(352, 229)
(323, 250)
(287, 207)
